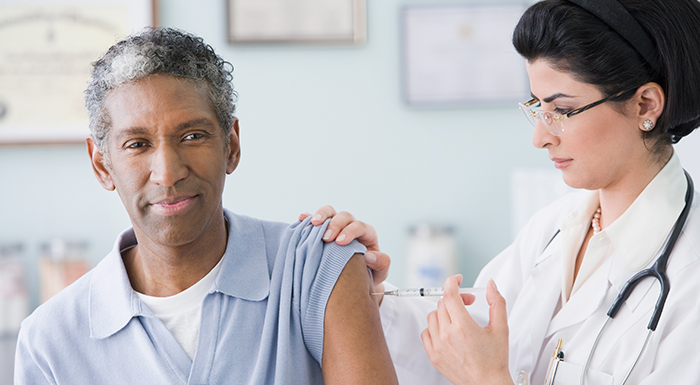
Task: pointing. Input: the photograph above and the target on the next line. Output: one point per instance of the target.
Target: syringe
(430, 291)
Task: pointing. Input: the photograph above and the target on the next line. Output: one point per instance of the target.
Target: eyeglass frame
(559, 118)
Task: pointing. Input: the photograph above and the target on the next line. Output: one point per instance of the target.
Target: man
(193, 293)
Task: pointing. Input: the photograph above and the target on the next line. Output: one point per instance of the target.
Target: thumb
(379, 263)
(451, 291)
(498, 316)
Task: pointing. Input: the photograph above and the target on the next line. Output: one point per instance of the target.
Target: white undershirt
(182, 313)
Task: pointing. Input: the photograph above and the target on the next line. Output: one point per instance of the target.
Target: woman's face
(600, 148)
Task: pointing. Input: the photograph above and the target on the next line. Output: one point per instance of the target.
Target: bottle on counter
(62, 263)
(14, 297)
(431, 256)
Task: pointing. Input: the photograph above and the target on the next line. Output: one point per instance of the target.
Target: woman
(614, 84)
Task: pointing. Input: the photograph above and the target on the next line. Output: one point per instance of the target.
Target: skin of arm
(354, 349)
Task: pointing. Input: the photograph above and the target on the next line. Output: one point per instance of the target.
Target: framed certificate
(461, 55)
(46, 51)
(297, 21)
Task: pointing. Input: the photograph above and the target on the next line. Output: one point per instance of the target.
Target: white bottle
(431, 256)
(14, 298)
(61, 264)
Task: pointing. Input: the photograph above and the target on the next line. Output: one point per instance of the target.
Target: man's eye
(136, 145)
(193, 136)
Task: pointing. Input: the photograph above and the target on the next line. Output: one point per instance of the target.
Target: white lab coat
(530, 280)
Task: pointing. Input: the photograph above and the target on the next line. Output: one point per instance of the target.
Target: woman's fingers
(433, 331)
(427, 339)
(498, 316)
(459, 348)
(454, 304)
(322, 214)
(379, 263)
(344, 228)
(468, 299)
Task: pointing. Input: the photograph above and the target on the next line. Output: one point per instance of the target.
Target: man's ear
(98, 165)
(234, 148)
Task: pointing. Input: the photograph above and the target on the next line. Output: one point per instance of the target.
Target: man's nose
(168, 166)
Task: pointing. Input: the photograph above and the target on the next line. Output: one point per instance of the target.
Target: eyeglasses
(554, 121)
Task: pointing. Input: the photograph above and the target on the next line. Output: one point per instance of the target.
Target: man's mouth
(174, 205)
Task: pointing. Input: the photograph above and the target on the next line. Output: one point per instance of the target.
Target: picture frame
(46, 51)
(461, 55)
(297, 21)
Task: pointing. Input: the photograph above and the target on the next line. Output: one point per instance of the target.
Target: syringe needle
(430, 291)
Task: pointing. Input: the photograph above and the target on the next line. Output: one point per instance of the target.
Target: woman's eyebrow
(551, 98)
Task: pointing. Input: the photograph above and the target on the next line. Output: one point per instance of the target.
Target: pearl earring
(648, 125)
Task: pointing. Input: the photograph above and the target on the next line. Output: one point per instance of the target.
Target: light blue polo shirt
(262, 322)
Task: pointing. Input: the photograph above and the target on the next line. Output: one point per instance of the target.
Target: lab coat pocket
(570, 374)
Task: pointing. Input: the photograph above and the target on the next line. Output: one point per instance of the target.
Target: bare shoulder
(354, 348)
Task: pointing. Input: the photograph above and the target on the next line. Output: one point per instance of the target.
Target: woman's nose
(542, 137)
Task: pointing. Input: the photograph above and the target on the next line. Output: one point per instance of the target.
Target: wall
(319, 125)
(326, 125)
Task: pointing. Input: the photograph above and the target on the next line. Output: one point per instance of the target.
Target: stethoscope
(656, 271)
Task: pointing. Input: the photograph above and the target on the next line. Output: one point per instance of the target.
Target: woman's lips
(561, 163)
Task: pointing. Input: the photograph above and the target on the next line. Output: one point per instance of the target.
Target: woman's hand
(463, 351)
(343, 228)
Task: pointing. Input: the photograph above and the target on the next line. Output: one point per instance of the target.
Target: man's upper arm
(354, 348)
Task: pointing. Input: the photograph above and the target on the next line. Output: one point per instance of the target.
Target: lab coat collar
(244, 274)
(573, 229)
(651, 217)
(244, 270)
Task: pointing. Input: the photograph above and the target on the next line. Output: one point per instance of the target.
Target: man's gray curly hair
(159, 51)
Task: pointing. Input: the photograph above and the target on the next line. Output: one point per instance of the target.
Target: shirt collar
(112, 302)
(244, 274)
(244, 271)
(650, 217)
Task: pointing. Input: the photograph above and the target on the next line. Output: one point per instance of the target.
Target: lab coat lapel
(585, 301)
(541, 298)
(620, 274)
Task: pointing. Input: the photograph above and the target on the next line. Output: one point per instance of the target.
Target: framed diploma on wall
(297, 21)
(46, 51)
(461, 55)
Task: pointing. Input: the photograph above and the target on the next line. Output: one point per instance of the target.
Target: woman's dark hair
(573, 40)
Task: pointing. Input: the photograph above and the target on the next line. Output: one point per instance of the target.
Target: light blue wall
(319, 125)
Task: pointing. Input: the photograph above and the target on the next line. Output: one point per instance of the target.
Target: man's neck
(162, 271)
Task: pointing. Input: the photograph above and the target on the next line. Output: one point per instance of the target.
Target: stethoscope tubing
(658, 271)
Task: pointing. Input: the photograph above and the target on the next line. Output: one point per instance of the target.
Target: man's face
(168, 158)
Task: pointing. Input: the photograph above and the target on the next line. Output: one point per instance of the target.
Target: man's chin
(171, 231)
